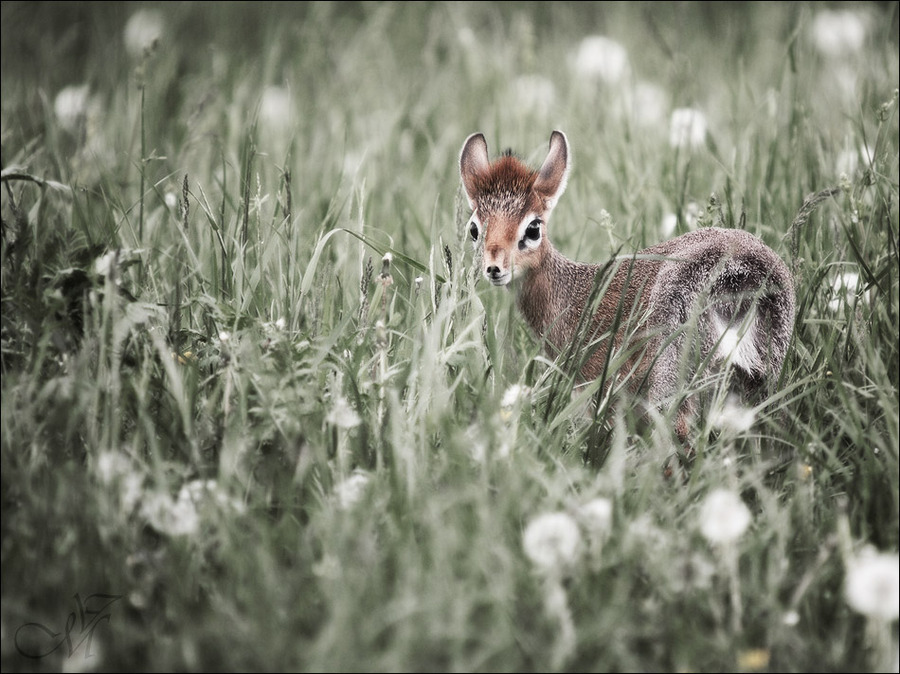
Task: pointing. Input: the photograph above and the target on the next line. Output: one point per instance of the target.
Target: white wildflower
(342, 415)
(724, 517)
(847, 161)
(70, 106)
(105, 264)
(116, 471)
(275, 109)
(208, 494)
(276, 326)
(224, 335)
(687, 128)
(131, 488)
(552, 542)
(111, 466)
(513, 395)
(731, 415)
(790, 619)
(181, 516)
(595, 517)
(171, 200)
(668, 224)
(169, 516)
(873, 584)
(466, 37)
(692, 214)
(144, 29)
(601, 58)
(844, 288)
(838, 33)
(350, 491)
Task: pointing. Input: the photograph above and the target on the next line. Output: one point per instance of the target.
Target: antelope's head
(511, 204)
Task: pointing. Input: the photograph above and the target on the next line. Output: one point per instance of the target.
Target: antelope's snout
(497, 268)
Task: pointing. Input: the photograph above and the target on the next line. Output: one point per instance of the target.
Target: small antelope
(709, 299)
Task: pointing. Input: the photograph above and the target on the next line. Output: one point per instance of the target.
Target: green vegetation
(276, 452)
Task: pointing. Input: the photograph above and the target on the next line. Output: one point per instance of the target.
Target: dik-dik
(710, 301)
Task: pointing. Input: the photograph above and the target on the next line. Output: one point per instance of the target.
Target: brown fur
(718, 280)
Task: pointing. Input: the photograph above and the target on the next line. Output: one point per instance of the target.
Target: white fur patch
(737, 343)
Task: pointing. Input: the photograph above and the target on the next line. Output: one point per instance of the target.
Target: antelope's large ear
(473, 163)
(551, 179)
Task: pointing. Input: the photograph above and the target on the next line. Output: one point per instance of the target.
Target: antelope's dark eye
(533, 230)
(473, 231)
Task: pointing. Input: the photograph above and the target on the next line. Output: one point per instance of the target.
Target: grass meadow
(235, 437)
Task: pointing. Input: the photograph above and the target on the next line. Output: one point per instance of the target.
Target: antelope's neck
(553, 294)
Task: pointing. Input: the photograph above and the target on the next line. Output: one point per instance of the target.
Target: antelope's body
(711, 298)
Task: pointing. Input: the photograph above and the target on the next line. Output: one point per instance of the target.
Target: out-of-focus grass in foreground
(233, 437)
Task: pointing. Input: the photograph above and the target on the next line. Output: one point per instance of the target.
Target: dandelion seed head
(209, 494)
(790, 619)
(552, 542)
(839, 33)
(723, 517)
(466, 37)
(117, 472)
(144, 29)
(687, 128)
(731, 415)
(513, 395)
(104, 264)
(601, 58)
(595, 517)
(668, 224)
(872, 585)
(342, 415)
(131, 488)
(276, 108)
(110, 466)
(692, 214)
(844, 287)
(174, 517)
(848, 161)
(350, 491)
(70, 106)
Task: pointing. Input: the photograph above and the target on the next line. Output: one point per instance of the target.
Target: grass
(234, 438)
